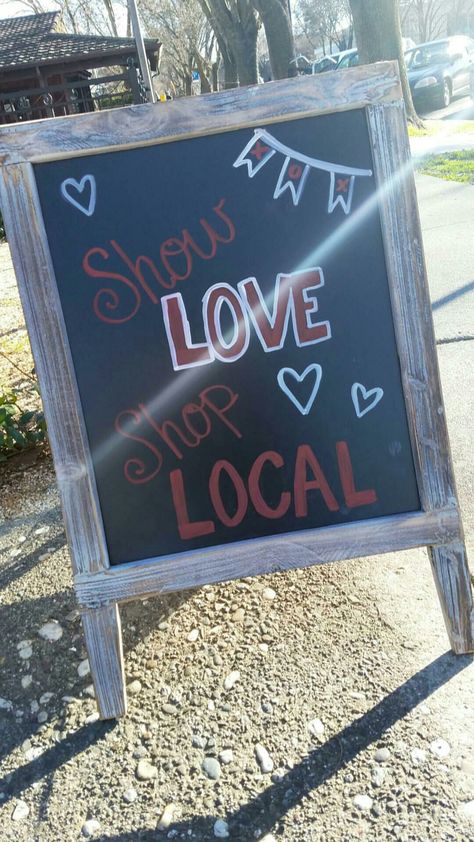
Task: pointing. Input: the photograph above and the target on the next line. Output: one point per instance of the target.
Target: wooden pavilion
(47, 72)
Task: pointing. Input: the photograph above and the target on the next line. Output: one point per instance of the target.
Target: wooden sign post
(227, 304)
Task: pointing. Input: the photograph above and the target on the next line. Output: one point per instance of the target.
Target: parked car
(348, 58)
(439, 70)
(326, 63)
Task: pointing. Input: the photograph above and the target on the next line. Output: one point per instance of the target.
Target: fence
(73, 96)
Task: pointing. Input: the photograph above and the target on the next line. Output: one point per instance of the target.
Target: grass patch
(431, 128)
(452, 166)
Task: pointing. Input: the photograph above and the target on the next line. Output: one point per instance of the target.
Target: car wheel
(445, 98)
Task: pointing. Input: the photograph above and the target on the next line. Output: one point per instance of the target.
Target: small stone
(21, 811)
(166, 817)
(362, 802)
(90, 827)
(382, 755)
(169, 709)
(193, 635)
(34, 706)
(41, 530)
(84, 668)
(221, 829)
(440, 748)
(33, 753)
(211, 705)
(199, 742)
(89, 691)
(45, 698)
(238, 617)
(231, 679)
(22, 539)
(264, 760)
(145, 771)
(93, 717)
(269, 837)
(134, 687)
(378, 775)
(25, 652)
(211, 767)
(130, 795)
(42, 716)
(466, 810)
(316, 728)
(25, 682)
(263, 647)
(5, 704)
(268, 593)
(51, 630)
(226, 756)
(418, 756)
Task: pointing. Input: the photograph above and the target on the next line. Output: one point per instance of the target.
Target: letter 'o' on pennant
(293, 175)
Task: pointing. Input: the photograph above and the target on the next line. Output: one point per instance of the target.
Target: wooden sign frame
(101, 587)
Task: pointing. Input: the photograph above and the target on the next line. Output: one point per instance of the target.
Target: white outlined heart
(78, 186)
(318, 372)
(366, 394)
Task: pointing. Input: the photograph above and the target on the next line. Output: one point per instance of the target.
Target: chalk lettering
(214, 403)
(176, 255)
(293, 296)
(308, 476)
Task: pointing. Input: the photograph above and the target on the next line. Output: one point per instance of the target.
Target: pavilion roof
(34, 40)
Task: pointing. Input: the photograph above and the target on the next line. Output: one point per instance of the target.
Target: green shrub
(19, 429)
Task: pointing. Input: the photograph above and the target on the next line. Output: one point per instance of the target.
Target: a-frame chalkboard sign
(227, 304)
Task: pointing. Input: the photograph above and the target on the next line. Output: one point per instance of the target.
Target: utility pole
(142, 56)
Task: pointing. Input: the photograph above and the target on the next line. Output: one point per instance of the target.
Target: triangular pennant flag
(340, 191)
(255, 155)
(293, 175)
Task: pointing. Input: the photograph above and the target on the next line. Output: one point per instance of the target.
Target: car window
(429, 54)
(346, 61)
(354, 60)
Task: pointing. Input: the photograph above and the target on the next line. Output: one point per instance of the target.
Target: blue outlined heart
(312, 372)
(72, 189)
(358, 392)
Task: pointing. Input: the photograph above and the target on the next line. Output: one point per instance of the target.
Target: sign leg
(453, 582)
(103, 634)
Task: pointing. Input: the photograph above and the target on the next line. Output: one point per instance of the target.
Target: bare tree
(428, 16)
(188, 42)
(235, 25)
(276, 20)
(86, 16)
(325, 23)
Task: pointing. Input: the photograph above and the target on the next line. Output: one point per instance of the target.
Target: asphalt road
(462, 108)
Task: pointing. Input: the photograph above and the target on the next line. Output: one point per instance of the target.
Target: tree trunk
(244, 48)
(279, 34)
(235, 26)
(379, 38)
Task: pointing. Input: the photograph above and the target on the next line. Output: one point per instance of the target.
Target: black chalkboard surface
(228, 313)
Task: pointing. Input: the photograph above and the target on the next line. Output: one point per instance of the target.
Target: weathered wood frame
(100, 587)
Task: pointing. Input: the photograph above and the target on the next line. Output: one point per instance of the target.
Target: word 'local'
(308, 476)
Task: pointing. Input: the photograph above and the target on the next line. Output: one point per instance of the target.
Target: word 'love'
(293, 296)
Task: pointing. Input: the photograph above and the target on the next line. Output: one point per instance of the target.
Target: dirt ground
(341, 673)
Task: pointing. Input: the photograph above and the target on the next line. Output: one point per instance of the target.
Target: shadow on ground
(269, 808)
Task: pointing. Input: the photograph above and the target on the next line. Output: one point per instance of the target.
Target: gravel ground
(318, 705)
